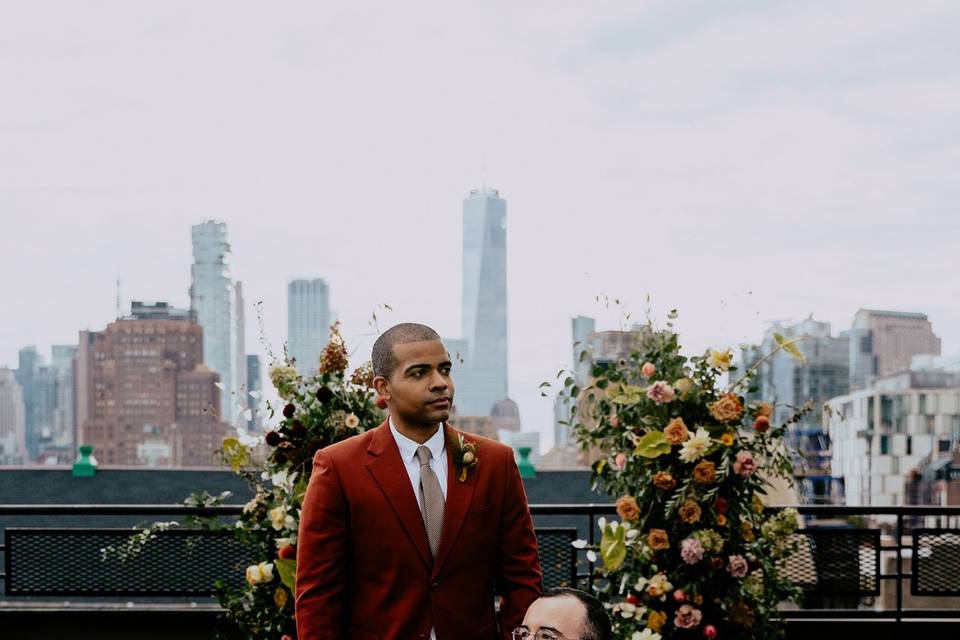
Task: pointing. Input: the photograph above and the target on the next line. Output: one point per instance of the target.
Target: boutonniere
(465, 456)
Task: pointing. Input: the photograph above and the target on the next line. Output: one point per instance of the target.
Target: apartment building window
(884, 445)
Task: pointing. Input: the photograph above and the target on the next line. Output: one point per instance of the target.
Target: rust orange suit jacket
(364, 567)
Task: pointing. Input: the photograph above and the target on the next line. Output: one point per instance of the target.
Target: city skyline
(643, 149)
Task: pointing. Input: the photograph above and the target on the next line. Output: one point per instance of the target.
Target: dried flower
(661, 392)
(664, 480)
(705, 472)
(727, 408)
(363, 375)
(628, 509)
(690, 512)
(744, 465)
(656, 620)
(334, 359)
(687, 617)
(676, 431)
(658, 540)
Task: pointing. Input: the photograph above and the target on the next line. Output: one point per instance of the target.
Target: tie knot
(424, 455)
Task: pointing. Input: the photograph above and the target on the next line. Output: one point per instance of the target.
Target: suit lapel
(459, 495)
(390, 474)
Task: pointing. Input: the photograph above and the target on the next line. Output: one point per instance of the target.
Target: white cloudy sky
(741, 161)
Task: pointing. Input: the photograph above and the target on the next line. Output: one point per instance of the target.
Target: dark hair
(596, 623)
(384, 361)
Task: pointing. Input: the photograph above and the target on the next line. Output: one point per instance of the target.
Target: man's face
(420, 390)
(563, 616)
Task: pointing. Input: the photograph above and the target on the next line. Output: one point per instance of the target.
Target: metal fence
(891, 563)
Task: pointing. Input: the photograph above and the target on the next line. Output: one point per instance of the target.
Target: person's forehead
(563, 613)
(428, 351)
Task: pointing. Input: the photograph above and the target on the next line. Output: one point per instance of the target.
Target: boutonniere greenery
(465, 456)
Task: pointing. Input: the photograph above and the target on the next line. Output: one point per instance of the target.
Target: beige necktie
(431, 499)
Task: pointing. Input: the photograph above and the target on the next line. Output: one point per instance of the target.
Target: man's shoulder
(348, 448)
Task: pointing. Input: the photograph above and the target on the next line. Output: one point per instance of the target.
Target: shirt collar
(408, 448)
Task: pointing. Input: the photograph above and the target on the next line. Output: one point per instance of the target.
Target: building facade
(217, 301)
(13, 433)
(144, 396)
(484, 301)
(254, 391)
(881, 434)
(884, 342)
(308, 323)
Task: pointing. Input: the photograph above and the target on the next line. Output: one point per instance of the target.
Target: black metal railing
(852, 563)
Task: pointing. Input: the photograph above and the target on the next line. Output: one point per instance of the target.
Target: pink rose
(621, 461)
(687, 617)
(648, 369)
(738, 566)
(691, 550)
(660, 392)
(744, 465)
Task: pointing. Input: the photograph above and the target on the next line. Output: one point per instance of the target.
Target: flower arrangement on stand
(317, 411)
(694, 553)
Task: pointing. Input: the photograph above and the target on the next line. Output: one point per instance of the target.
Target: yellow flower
(727, 438)
(683, 385)
(720, 359)
(656, 620)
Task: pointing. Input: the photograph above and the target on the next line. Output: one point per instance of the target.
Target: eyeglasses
(542, 634)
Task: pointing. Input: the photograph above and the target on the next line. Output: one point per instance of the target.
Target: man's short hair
(596, 622)
(384, 362)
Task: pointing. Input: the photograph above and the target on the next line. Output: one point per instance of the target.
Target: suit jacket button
(435, 585)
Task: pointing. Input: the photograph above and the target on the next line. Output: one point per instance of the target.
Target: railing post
(899, 599)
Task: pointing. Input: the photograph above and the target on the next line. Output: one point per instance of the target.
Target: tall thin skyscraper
(13, 436)
(64, 419)
(253, 386)
(484, 301)
(308, 322)
(218, 303)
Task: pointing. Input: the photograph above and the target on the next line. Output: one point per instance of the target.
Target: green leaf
(287, 568)
(790, 346)
(613, 548)
(235, 454)
(653, 445)
(300, 488)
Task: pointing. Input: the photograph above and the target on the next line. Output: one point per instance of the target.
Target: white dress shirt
(438, 462)
(438, 458)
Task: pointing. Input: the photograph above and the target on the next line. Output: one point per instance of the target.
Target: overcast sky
(739, 161)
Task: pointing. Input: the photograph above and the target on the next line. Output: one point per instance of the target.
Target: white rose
(257, 573)
(278, 516)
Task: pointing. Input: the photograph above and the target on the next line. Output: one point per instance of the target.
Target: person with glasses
(565, 614)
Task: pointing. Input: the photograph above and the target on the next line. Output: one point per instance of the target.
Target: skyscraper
(147, 398)
(13, 437)
(883, 342)
(484, 301)
(308, 322)
(64, 424)
(581, 329)
(218, 303)
(39, 384)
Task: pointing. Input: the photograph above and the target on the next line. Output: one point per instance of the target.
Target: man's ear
(382, 386)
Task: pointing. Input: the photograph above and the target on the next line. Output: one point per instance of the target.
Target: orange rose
(676, 431)
(664, 480)
(656, 620)
(658, 540)
(727, 409)
(705, 472)
(690, 512)
(628, 509)
(761, 424)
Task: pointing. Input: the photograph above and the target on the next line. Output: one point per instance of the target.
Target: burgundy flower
(273, 438)
(324, 394)
(289, 410)
(297, 430)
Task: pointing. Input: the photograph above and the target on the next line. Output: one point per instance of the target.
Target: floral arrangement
(694, 553)
(317, 411)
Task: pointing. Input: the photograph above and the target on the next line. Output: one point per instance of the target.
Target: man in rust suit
(408, 530)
